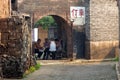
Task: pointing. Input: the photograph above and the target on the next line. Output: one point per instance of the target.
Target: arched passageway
(56, 28)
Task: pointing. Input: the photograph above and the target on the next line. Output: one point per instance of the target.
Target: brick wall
(104, 20)
(15, 46)
(15, 36)
(104, 29)
(42, 8)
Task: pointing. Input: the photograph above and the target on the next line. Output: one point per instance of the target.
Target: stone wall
(15, 46)
(104, 20)
(104, 29)
(15, 41)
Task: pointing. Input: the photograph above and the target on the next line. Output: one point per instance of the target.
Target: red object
(81, 12)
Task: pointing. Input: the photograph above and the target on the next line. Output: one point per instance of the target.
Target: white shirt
(52, 46)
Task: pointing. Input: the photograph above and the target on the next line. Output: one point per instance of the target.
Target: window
(52, 32)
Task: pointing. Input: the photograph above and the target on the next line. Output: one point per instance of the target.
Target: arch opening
(52, 27)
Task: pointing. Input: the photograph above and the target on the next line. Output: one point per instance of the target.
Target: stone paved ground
(93, 71)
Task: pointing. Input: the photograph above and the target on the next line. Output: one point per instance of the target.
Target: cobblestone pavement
(93, 71)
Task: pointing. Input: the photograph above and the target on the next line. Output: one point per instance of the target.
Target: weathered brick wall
(15, 46)
(61, 8)
(15, 42)
(104, 20)
(104, 29)
(42, 5)
(42, 8)
(4, 8)
(15, 36)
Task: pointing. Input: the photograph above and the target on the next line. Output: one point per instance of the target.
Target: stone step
(77, 61)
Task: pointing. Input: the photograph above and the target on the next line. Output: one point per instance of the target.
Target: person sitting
(46, 46)
(58, 48)
(38, 48)
(52, 48)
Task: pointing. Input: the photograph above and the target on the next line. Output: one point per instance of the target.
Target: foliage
(46, 22)
(31, 70)
(37, 66)
(116, 59)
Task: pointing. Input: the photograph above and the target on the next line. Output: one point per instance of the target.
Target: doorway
(51, 26)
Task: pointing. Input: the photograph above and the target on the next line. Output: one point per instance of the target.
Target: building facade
(98, 38)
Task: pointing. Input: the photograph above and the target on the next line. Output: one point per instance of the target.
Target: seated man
(38, 49)
(52, 48)
(58, 48)
(46, 46)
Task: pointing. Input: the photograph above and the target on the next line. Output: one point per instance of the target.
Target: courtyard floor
(74, 71)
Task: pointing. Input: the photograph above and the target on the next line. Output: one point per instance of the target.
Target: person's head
(39, 40)
(46, 39)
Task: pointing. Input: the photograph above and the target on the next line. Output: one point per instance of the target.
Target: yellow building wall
(4, 8)
(42, 34)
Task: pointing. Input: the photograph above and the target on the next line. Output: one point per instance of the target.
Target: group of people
(50, 48)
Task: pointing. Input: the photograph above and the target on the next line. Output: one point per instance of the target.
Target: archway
(57, 30)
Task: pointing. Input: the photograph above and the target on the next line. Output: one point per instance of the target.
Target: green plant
(32, 69)
(37, 66)
(46, 22)
(116, 59)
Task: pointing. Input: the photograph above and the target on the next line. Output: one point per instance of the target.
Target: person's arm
(44, 45)
(38, 46)
(34, 46)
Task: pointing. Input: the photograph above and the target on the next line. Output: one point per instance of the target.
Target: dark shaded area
(62, 34)
(80, 41)
(87, 29)
(11, 67)
(14, 5)
(81, 34)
